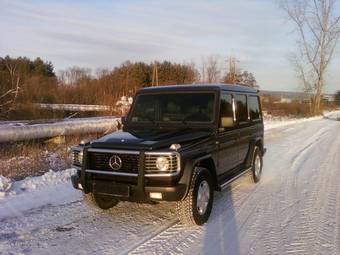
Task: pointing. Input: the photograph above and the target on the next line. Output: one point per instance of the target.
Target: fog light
(156, 195)
(80, 186)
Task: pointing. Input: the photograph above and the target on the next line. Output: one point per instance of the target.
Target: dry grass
(294, 109)
(34, 158)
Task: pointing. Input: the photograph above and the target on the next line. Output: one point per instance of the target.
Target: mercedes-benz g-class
(178, 143)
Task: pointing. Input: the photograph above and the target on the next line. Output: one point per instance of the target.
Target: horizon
(104, 35)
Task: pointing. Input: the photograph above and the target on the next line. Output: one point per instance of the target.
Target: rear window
(254, 107)
(241, 108)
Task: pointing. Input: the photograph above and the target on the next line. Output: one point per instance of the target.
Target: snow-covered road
(295, 209)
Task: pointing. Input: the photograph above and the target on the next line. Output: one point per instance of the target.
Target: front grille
(150, 163)
(100, 161)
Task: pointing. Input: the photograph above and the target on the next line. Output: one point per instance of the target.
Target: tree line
(24, 81)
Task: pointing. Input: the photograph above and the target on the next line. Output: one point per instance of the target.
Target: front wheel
(195, 209)
(257, 165)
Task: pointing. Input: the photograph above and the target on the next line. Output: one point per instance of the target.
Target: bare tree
(211, 69)
(203, 70)
(9, 96)
(73, 75)
(318, 29)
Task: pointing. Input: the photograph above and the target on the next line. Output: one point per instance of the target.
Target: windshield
(176, 107)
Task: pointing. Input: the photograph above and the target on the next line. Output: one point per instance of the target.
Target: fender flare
(188, 171)
(250, 154)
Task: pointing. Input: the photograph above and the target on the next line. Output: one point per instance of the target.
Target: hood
(148, 140)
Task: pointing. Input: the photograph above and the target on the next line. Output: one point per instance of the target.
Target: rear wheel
(102, 201)
(257, 164)
(195, 209)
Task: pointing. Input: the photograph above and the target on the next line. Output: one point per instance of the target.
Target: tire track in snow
(327, 232)
(312, 141)
(307, 238)
(176, 238)
(278, 234)
(173, 240)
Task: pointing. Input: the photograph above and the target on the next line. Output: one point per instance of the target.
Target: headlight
(162, 163)
(80, 157)
(77, 157)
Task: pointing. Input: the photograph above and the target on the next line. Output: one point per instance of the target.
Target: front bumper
(129, 192)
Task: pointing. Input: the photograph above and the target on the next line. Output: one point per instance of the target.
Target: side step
(225, 184)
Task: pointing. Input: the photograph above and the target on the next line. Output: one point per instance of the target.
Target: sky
(103, 34)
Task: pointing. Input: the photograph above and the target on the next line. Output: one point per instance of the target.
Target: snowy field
(295, 209)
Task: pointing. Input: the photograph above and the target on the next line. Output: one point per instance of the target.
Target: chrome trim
(77, 148)
(113, 151)
(160, 153)
(76, 167)
(224, 185)
(110, 173)
(169, 153)
(129, 174)
(234, 108)
(162, 175)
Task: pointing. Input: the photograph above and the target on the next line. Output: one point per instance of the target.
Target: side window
(254, 107)
(226, 111)
(241, 108)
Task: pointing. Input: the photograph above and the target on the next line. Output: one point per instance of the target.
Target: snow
(46, 180)
(33, 192)
(295, 209)
(5, 185)
(51, 178)
(271, 122)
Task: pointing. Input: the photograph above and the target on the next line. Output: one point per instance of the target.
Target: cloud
(103, 33)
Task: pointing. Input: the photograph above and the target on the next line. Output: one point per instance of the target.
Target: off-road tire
(257, 153)
(186, 209)
(101, 201)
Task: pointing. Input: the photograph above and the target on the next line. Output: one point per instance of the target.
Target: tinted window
(226, 106)
(241, 108)
(145, 109)
(254, 107)
(226, 111)
(176, 107)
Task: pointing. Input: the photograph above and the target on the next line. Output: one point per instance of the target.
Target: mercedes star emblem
(115, 162)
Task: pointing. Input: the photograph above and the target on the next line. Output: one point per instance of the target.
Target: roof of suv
(200, 87)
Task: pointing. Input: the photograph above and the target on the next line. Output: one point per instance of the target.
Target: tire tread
(185, 207)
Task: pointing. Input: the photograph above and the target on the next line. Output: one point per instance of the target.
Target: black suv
(178, 143)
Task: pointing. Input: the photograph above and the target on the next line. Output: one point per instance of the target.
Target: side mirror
(227, 122)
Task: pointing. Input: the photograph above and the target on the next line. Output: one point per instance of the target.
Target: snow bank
(5, 185)
(48, 179)
(286, 121)
(276, 122)
(51, 178)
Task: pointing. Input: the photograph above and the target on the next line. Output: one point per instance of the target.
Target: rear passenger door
(244, 126)
(227, 135)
